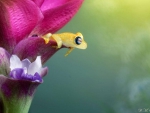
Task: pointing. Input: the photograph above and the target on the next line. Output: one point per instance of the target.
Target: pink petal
(35, 46)
(56, 15)
(17, 19)
(38, 2)
(49, 4)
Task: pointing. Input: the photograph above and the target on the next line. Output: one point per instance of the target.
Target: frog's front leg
(69, 51)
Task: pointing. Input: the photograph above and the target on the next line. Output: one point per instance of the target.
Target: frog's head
(79, 41)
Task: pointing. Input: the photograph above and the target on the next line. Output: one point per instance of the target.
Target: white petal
(25, 63)
(35, 66)
(44, 71)
(25, 70)
(15, 62)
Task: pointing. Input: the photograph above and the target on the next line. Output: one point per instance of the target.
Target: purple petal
(17, 19)
(19, 74)
(56, 16)
(35, 46)
(17, 88)
(38, 2)
(37, 78)
(4, 62)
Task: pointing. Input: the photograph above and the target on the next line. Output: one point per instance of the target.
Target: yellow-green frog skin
(67, 39)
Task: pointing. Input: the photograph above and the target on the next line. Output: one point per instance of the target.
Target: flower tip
(44, 71)
(25, 70)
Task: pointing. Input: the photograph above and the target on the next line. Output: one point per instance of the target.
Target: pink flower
(23, 22)
(22, 48)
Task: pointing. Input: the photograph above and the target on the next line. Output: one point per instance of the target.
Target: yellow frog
(67, 39)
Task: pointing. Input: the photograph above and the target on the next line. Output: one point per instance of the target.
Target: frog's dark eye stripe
(78, 40)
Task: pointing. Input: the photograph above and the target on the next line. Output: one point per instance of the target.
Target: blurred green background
(113, 74)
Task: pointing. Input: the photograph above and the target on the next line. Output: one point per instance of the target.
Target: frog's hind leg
(55, 37)
(58, 41)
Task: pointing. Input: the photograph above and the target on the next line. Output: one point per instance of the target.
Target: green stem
(16, 105)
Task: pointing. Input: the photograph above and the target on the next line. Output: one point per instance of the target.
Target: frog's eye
(78, 40)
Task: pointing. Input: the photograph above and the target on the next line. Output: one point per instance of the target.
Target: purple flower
(25, 70)
(18, 81)
(23, 23)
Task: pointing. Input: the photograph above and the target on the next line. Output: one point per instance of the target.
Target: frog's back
(67, 36)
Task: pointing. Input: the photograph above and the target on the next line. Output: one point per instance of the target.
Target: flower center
(19, 74)
(25, 70)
